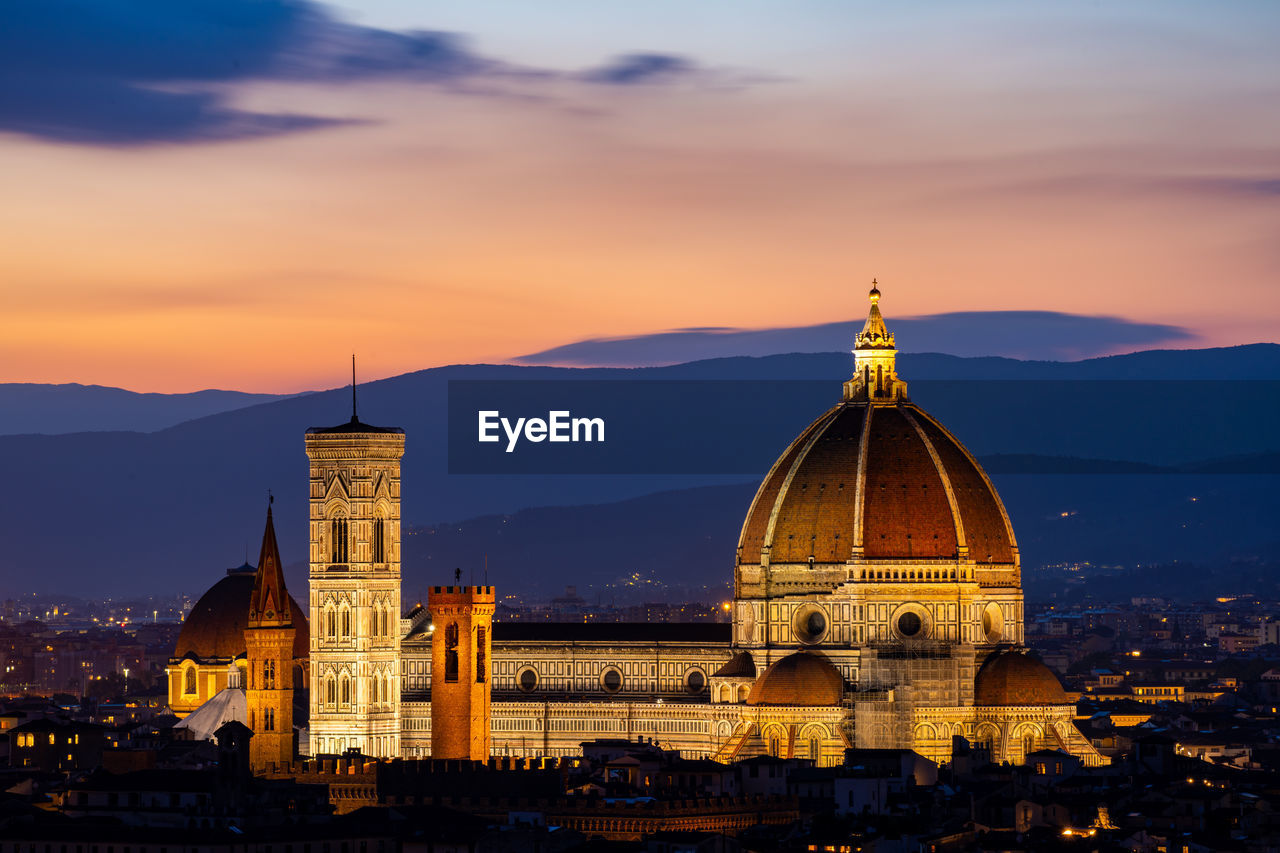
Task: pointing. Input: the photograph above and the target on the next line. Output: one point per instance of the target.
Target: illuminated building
(877, 604)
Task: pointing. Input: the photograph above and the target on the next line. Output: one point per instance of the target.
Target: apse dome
(1012, 678)
(214, 629)
(805, 679)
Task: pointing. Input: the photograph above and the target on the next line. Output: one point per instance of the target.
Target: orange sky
(457, 226)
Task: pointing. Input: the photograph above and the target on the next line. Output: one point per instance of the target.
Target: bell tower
(355, 587)
(269, 652)
(461, 655)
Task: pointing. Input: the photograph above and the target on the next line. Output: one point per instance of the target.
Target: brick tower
(269, 650)
(461, 646)
(355, 588)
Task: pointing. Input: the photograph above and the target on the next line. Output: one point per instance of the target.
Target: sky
(240, 193)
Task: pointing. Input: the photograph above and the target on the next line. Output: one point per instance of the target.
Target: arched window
(344, 623)
(330, 622)
(330, 691)
(345, 689)
(379, 540)
(269, 719)
(189, 686)
(377, 689)
(451, 652)
(269, 675)
(339, 539)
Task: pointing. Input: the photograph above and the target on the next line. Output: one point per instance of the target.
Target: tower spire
(875, 377)
(269, 605)
(354, 419)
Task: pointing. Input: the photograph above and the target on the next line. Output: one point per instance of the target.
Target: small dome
(804, 678)
(215, 626)
(1012, 678)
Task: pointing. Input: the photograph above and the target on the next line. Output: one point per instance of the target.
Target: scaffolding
(898, 678)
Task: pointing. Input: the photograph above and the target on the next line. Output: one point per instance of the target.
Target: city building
(877, 605)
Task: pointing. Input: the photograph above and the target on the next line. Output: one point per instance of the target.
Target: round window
(695, 681)
(810, 624)
(992, 623)
(611, 680)
(528, 680)
(910, 624)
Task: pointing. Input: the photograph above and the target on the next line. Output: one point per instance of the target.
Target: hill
(170, 510)
(56, 409)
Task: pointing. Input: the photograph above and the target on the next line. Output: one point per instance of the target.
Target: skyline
(268, 196)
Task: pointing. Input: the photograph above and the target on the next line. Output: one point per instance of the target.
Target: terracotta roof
(693, 633)
(805, 679)
(1012, 678)
(741, 665)
(215, 626)
(824, 498)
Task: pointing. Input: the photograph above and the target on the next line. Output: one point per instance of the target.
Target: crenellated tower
(355, 588)
(268, 637)
(461, 655)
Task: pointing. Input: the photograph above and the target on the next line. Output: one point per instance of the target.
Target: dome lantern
(875, 378)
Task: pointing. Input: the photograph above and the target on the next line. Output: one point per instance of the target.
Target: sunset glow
(1065, 161)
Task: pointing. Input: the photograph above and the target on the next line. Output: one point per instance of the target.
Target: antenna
(270, 498)
(353, 388)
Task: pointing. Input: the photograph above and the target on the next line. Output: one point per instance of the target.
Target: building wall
(645, 670)
(355, 603)
(210, 678)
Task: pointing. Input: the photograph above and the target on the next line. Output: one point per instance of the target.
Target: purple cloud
(137, 72)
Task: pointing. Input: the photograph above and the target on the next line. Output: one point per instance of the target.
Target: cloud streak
(117, 73)
(1016, 334)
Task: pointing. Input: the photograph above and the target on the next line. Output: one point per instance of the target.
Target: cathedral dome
(215, 626)
(806, 679)
(1012, 678)
(877, 478)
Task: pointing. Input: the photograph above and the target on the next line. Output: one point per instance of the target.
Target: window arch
(330, 691)
(344, 689)
(330, 622)
(379, 539)
(451, 652)
(339, 538)
(189, 681)
(344, 622)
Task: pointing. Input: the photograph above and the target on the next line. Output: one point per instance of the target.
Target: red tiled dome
(870, 480)
(806, 679)
(1012, 678)
(215, 626)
